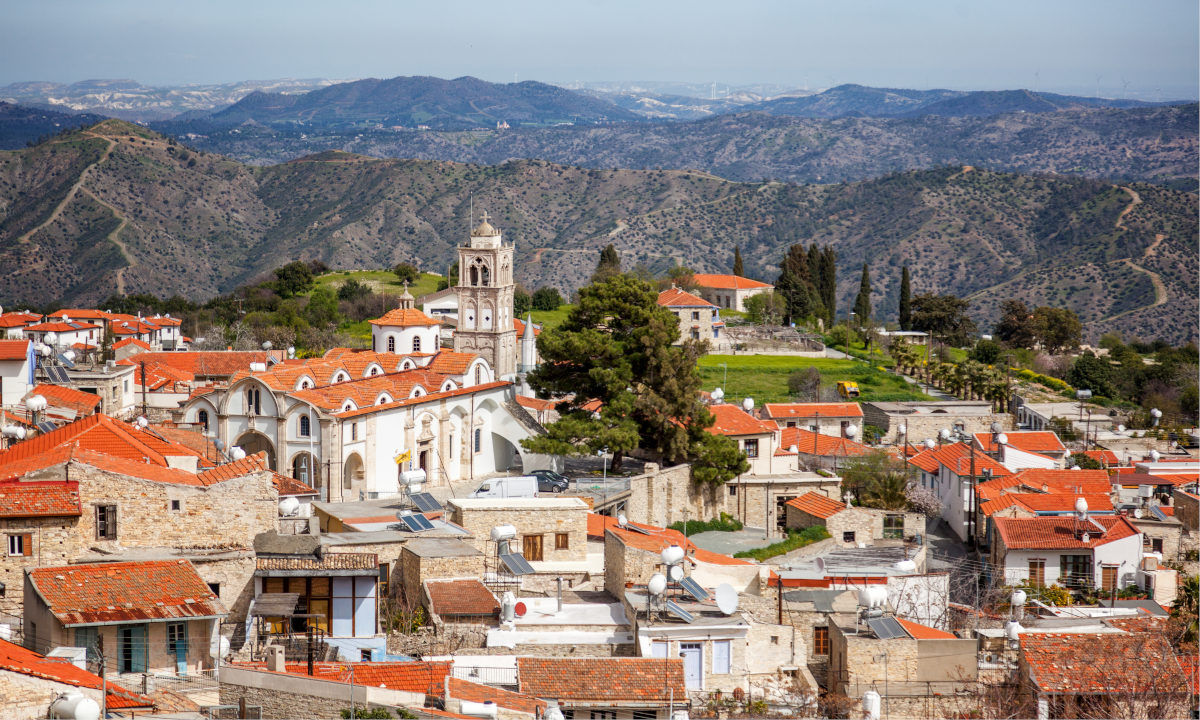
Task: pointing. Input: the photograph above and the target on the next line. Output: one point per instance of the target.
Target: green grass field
(765, 377)
(381, 281)
(550, 319)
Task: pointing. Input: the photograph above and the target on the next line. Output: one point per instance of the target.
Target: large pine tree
(862, 303)
(905, 301)
(739, 268)
(795, 284)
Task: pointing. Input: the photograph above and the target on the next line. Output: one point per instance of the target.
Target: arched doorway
(353, 476)
(307, 469)
(507, 456)
(255, 442)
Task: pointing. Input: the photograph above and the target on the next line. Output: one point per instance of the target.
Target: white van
(524, 486)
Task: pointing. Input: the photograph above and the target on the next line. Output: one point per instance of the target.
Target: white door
(693, 665)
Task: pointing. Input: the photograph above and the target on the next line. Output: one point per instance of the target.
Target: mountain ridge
(115, 203)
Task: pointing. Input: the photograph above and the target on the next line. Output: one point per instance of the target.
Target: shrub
(795, 540)
(725, 523)
(407, 272)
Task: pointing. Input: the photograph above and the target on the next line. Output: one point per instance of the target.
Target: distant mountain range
(119, 208)
(21, 125)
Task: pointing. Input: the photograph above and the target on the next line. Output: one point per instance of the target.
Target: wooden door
(532, 547)
(1108, 578)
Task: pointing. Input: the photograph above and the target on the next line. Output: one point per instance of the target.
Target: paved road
(945, 550)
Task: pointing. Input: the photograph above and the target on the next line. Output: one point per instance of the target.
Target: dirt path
(1134, 201)
(72, 192)
(115, 238)
(965, 169)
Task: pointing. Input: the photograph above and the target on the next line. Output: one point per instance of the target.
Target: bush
(795, 540)
(407, 272)
(546, 298)
(1050, 382)
(725, 523)
(375, 713)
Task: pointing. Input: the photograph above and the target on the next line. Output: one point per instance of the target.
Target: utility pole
(103, 675)
(143, 364)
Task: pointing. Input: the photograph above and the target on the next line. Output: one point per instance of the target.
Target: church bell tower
(485, 300)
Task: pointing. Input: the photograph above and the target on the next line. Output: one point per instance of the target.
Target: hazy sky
(1149, 46)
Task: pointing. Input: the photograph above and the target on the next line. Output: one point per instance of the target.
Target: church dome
(484, 228)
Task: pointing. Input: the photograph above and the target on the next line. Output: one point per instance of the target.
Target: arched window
(253, 401)
(391, 343)
(202, 417)
(416, 343)
(474, 275)
(478, 374)
(305, 426)
(484, 276)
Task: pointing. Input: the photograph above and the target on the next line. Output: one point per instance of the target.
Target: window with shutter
(721, 661)
(106, 522)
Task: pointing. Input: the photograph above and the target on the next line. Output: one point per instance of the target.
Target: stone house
(73, 504)
(113, 383)
(820, 451)
(918, 671)
(729, 292)
(16, 370)
(850, 526)
(926, 419)
(31, 682)
(699, 319)
(761, 501)
(154, 617)
(424, 558)
(551, 531)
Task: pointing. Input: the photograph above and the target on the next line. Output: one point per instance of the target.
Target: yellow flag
(404, 457)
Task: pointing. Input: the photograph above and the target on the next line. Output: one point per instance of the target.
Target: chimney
(275, 659)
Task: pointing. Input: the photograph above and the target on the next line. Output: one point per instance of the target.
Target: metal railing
(198, 681)
(486, 675)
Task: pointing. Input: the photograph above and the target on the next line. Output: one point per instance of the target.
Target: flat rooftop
(538, 503)
(849, 561)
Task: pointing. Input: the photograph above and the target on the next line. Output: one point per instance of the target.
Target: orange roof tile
(957, 458)
(1087, 482)
(926, 461)
(57, 396)
(1034, 441)
(448, 598)
(286, 485)
(797, 411)
(1090, 663)
(451, 362)
(817, 505)
(1107, 457)
(131, 341)
(39, 499)
(732, 420)
(215, 363)
(16, 659)
(102, 434)
(459, 689)
(405, 317)
(728, 282)
(424, 398)
(924, 632)
(124, 591)
(654, 539)
(14, 349)
(85, 313)
(235, 469)
(679, 298)
(536, 403)
(1046, 502)
(602, 679)
(18, 319)
(408, 676)
(519, 326)
(810, 443)
(1058, 532)
(364, 391)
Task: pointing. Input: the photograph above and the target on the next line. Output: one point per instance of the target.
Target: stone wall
(1170, 533)
(413, 569)
(54, 543)
(23, 697)
(286, 696)
(624, 565)
(924, 426)
(530, 520)
(758, 503)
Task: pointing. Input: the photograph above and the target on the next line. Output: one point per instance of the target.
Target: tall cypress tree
(828, 277)
(795, 284)
(738, 268)
(905, 301)
(609, 264)
(816, 277)
(862, 303)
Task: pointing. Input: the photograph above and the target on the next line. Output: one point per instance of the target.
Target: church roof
(405, 317)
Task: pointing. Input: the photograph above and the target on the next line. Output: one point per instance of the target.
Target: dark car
(550, 481)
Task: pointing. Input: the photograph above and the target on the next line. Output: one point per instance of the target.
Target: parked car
(550, 481)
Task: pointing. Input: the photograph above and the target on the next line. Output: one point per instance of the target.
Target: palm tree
(886, 492)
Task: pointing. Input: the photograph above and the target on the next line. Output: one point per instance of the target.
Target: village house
(926, 419)
(820, 451)
(1076, 552)
(31, 684)
(549, 532)
(698, 318)
(613, 688)
(729, 292)
(851, 526)
(952, 472)
(1022, 449)
(17, 364)
(834, 419)
(758, 440)
(154, 617)
(66, 334)
(1040, 492)
(13, 324)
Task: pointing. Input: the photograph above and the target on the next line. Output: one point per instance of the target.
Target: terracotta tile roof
(459, 689)
(25, 499)
(624, 680)
(85, 313)
(164, 321)
(728, 282)
(352, 364)
(519, 326)
(926, 461)
(1058, 532)
(450, 362)
(1089, 663)
(817, 505)
(409, 676)
(14, 349)
(130, 341)
(405, 317)
(329, 561)
(1086, 482)
(125, 591)
(536, 403)
(425, 398)
(192, 439)
(808, 442)
(924, 632)
(16, 659)
(1107, 457)
(732, 420)
(1191, 668)
(162, 377)
(1178, 478)
(679, 298)
(798, 411)
(19, 319)
(216, 363)
(363, 392)
(286, 485)
(57, 396)
(655, 539)
(469, 596)
(1034, 441)
(61, 327)
(102, 434)
(957, 458)
(1046, 502)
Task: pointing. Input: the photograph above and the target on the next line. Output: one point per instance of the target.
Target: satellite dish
(520, 609)
(622, 521)
(902, 429)
(676, 573)
(851, 431)
(929, 443)
(1001, 439)
(727, 599)
(219, 444)
(748, 404)
(1139, 513)
(944, 434)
